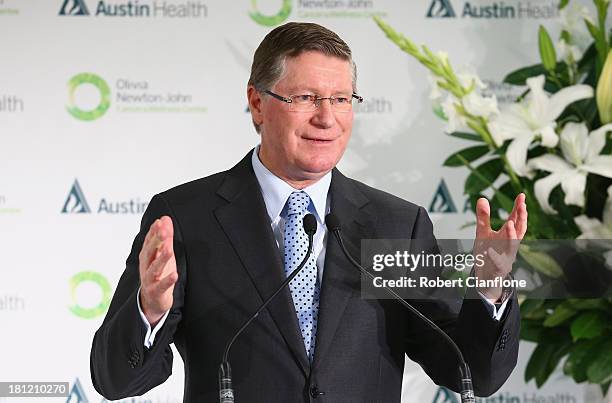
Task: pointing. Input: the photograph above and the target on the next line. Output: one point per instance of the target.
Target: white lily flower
(454, 121)
(568, 52)
(592, 228)
(533, 119)
(468, 79)
(435, 94)
(582, 155)
(572, 20)
(479, 105)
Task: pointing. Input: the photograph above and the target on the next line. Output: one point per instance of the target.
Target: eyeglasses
(310, 103)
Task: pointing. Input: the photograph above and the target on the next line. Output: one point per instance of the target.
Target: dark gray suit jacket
(228, 263)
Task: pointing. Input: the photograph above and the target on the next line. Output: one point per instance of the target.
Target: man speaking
(209, 252)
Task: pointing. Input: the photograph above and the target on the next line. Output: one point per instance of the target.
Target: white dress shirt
(275, 193)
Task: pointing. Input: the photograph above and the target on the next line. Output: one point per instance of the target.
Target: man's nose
(324, 116)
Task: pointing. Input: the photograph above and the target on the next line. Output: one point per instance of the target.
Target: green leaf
(505, 196)
(497, 223)
(530, 305)
(520, 76)
(558, 353)
(562, 4)
(589, 303)
(540, 261)
(588, 58)
(467, 154)
(566, 36)
(580, 357)
(605, 387)
(542, 311)
(544, 360)
(593, 30)
(547, 50)
(588, 325)
(600, 370)
(531, 330)
(538, 361)
(484, 176)
(561, 313)
(439, 112)
(506, 203)
(466, 136)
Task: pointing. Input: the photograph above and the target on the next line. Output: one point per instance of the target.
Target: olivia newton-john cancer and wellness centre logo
(87, 309)
(90, 96)
(270, 13)
(273, 19)
(88, 113)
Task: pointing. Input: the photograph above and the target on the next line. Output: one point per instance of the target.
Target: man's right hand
(158, 274)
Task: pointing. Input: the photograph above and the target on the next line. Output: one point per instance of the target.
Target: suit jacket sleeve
(490, 347)
(120, 364)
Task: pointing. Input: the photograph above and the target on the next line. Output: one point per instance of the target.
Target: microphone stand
(226, 390)
(467, 390)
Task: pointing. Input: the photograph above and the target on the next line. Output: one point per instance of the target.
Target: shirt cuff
(496, 312)
(150, 335)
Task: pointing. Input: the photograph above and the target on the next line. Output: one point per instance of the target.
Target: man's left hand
(499, 247)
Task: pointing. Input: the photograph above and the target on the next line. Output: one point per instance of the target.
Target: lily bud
(603, 93)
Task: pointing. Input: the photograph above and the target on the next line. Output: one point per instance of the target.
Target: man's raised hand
(157, 266)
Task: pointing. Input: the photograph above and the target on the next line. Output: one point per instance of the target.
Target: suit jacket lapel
(340, 279)
(246, 223)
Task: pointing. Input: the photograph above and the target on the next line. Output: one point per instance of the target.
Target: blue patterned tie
(305, 288)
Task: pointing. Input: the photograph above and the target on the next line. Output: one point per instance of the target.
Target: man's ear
(255, 104)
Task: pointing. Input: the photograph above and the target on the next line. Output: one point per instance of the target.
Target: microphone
(226, 390)
(467, 390)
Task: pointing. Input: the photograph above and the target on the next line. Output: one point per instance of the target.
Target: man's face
(303, 146)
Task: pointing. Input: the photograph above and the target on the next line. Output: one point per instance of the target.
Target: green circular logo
(100, 281)
(100, 84)
(271, 20)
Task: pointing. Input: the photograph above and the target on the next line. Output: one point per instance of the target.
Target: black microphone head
(310, 224)
(332, 222)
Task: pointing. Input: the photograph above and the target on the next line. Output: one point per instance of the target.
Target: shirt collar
(276, 191)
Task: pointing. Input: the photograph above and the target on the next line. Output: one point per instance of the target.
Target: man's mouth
(318, 140)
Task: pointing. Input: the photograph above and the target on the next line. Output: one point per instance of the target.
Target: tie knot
(297, 203)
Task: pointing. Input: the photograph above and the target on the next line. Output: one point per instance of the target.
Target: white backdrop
(173, 108)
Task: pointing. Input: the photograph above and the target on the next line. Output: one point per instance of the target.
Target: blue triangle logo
(442, 201)
(441, 9)
(74, 7)
(77, 394)
(76, 201)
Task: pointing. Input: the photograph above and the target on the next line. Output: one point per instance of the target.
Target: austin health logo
(74, 7)
(76, 201)
(441, 9)
(274, 19)
(442, 201)
(545, 9)
(443, 395)
(105, 95)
